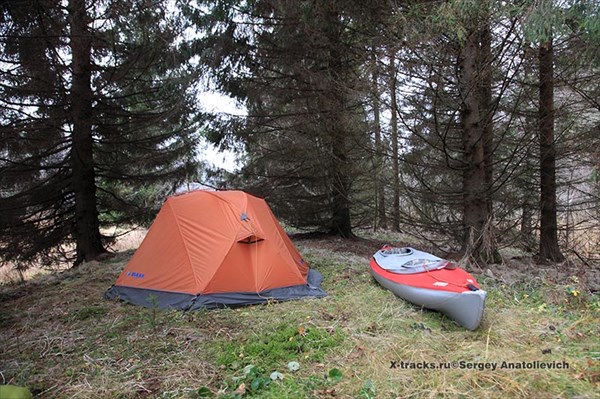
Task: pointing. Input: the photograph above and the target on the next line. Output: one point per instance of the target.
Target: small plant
(293, 366)
(335, 375)
(204, 392)
(89, 312)
(575, 295)
(151, 316)
(368, 390)
(252, 382)
(276, 376)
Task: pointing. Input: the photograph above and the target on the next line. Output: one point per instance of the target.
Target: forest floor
(61, 339)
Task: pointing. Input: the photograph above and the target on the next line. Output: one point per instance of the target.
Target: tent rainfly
(209, 249)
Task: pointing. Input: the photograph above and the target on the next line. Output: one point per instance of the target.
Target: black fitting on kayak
(472, 287)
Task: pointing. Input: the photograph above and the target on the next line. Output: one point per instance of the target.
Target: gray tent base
(180, 301)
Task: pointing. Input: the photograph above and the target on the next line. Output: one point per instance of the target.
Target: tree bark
(87, 227)
(549, 248)
(340, 204)
(394, 139)
(489, 253)
(341, 220)
(485, 90)
(381, 220)
(475, 213)
(526, 226)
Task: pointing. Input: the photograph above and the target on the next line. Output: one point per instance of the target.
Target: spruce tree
(295, 65)
(97, 109)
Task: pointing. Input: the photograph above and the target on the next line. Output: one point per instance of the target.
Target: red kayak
(430, 282)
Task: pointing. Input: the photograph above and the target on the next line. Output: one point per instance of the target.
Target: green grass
(61, 339)
(281, 343)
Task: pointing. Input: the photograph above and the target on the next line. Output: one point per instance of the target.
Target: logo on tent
(135, 274)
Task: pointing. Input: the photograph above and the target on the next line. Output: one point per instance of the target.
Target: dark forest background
(472, 124)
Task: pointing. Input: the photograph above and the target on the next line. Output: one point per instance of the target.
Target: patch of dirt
(525, 269)
(357, 246)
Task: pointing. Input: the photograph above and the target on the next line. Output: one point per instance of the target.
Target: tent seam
(252, 228)
(289, 256)
(283, 256)
(232, 242)
(183, 241)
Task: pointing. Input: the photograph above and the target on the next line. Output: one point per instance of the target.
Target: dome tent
(208, 249)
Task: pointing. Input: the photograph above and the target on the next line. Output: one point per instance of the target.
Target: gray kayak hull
(466, 308)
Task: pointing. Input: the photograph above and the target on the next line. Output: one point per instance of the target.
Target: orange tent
(214, 249)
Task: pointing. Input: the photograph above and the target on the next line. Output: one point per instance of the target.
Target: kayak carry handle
(472, 287)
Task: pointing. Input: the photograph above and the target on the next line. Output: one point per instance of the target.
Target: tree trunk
(549, 248)
(381, 220)
(489, 251)
(341, 222)
(527, 226)
(340, 205)
(475, 213)
(87, 227)
(485, 89)
(394, 139)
